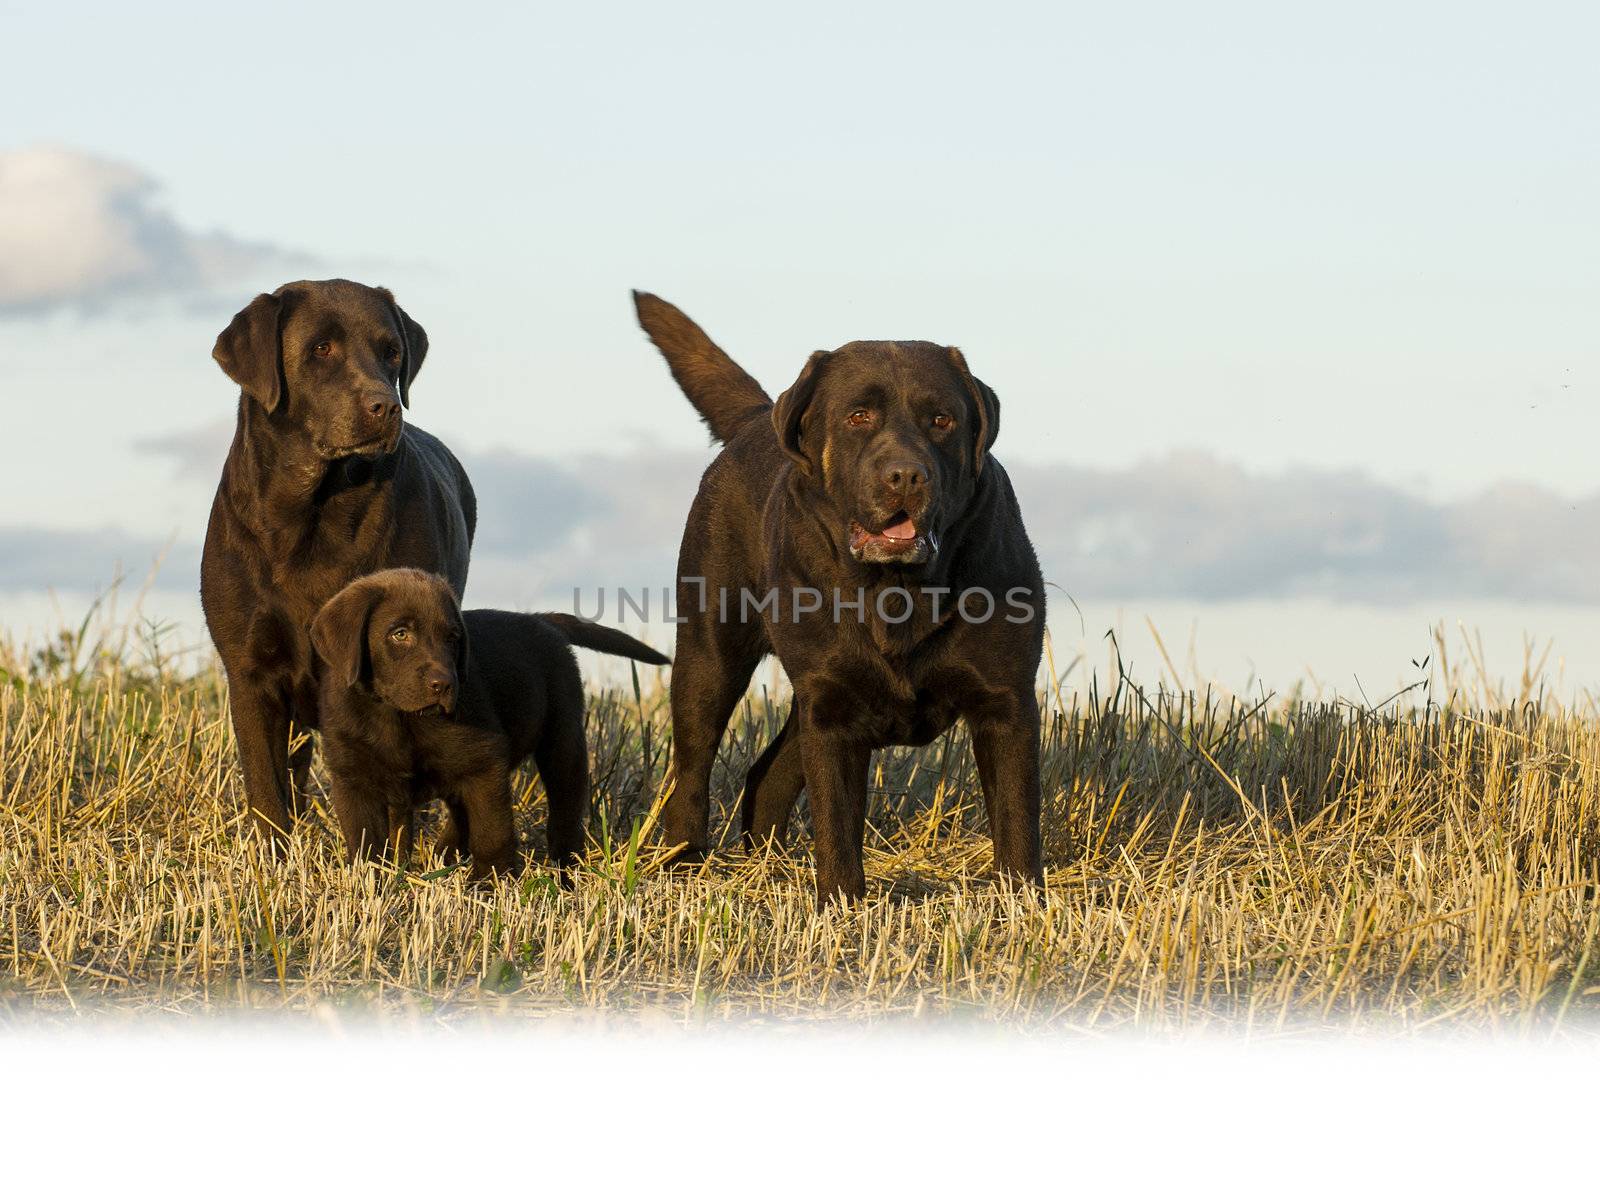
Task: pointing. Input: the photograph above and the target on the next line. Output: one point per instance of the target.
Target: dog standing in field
(419, 699)
(856, 515)
(324, 482)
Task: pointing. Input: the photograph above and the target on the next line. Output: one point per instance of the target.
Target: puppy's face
(332, 360)
(398, 634)
(896, 434)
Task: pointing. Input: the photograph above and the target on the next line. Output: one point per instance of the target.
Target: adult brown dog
(421, 700)
(324, 482)
(862, 531)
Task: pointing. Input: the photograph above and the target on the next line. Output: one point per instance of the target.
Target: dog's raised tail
(724, 394)
(604, 639)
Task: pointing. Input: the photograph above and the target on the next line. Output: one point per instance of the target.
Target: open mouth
(899, 541)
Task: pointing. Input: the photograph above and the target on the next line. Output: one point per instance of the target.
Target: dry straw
(1270, 864)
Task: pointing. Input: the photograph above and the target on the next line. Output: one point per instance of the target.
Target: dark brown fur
(802, 496)
(324, 482)
(421, 700)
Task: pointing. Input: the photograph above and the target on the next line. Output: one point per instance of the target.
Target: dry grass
(1212, 862)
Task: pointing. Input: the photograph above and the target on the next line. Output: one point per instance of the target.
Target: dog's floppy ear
(985, 408)
(415, 342)
(454, 605)
(339, 633)
(791, 408)
(248, 350)
(463, 652)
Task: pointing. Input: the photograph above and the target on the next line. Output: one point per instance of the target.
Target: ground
(1272, 865)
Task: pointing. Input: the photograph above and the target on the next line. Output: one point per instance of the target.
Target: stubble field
(1271, 864)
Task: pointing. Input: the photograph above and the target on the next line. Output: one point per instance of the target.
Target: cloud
(80, 232)
(610, 520)
(1184, 526)
(545, 525)
(532, 506)
(1190, 525)
(196, 453)
(33, 558)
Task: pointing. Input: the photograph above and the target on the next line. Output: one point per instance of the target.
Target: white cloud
(78, 231)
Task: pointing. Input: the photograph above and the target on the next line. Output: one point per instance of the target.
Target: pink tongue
(902, 532)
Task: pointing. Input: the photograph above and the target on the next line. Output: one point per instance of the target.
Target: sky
(1283, 304)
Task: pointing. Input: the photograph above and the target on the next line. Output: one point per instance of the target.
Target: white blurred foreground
(253, 1110)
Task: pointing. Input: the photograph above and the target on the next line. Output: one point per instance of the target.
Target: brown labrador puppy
(420, 699)
(862, 531)
(325, 482)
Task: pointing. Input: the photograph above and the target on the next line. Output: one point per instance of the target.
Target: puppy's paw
(447, 845)
(486, 868)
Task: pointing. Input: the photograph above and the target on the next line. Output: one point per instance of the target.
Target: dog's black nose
(905, 475)
(384, 407)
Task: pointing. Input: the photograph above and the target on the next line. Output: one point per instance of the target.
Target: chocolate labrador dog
(862, 531)
(421, 700)
(324, 482)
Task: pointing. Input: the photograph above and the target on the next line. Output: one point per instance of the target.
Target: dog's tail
(719, 388)
(603, 638)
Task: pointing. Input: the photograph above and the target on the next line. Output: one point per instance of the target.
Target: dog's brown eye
(943, 421)
(859, 418)
(394, 357)
(400, 635)
(322, 349)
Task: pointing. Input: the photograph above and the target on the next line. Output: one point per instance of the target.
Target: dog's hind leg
(261, 728)
(562, 757)
(771, 789)
(708, 679)
(454, 835)
(400, 833)
(299, 769)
